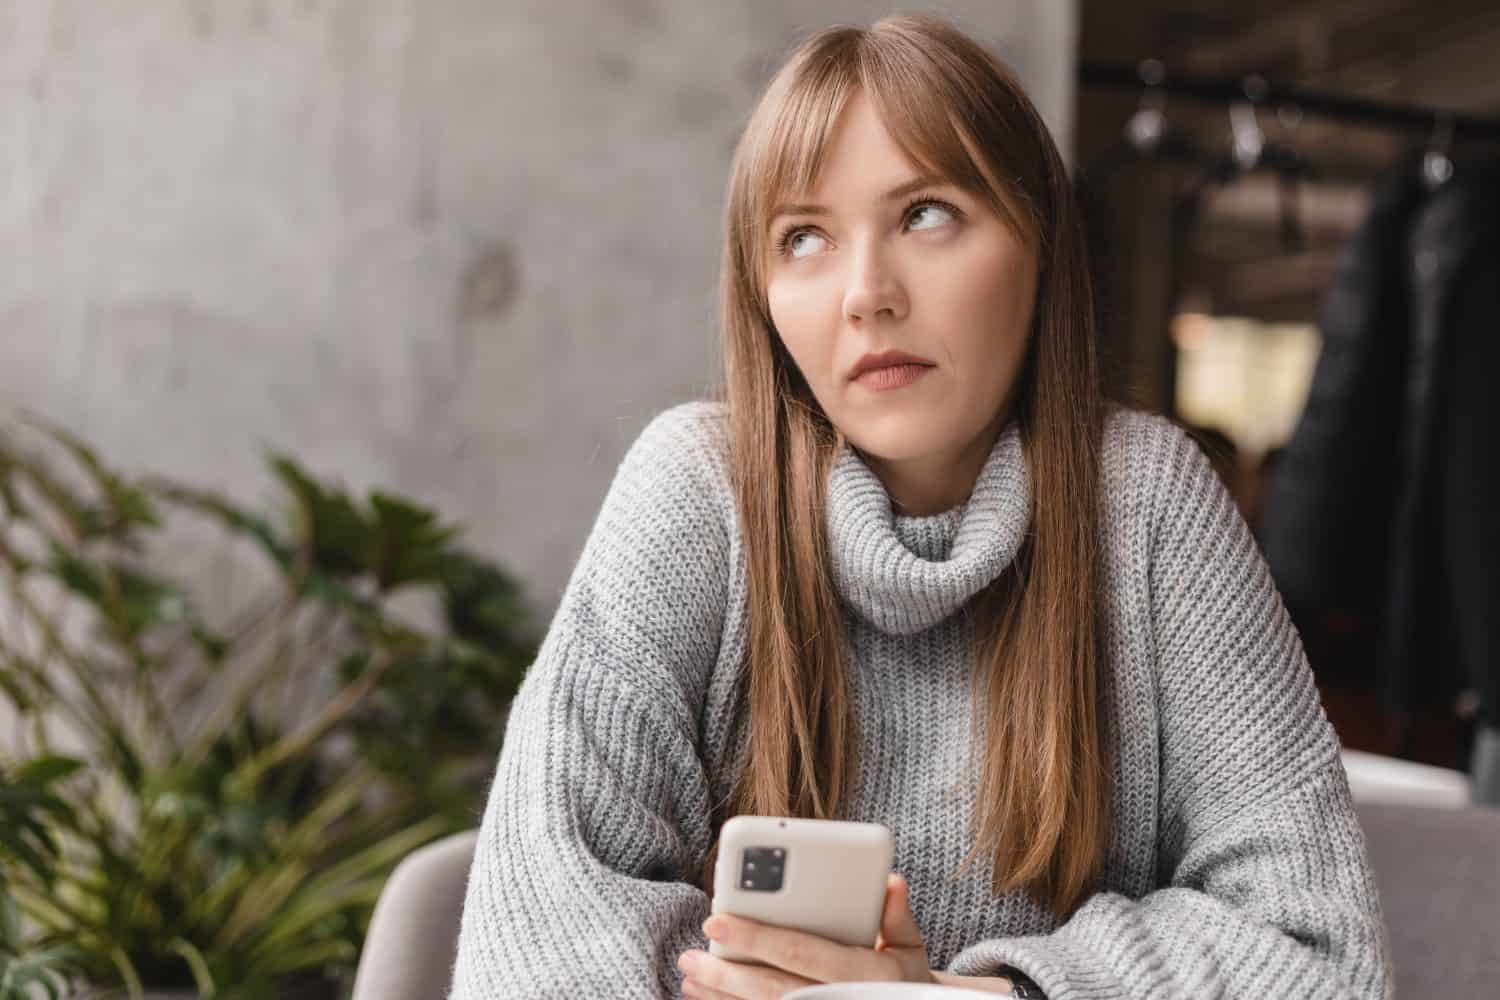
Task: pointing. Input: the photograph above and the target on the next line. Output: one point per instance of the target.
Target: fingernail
(714, 928)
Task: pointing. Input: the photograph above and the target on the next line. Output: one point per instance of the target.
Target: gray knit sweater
(1236, 869)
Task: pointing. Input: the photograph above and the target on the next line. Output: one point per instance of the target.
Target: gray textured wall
(463, 250)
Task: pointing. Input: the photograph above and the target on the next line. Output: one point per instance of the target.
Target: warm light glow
(1247, 378)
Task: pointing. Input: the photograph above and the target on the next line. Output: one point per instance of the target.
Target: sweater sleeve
(1264, 886)
(598, 812)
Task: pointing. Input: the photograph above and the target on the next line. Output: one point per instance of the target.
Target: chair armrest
(413, 936)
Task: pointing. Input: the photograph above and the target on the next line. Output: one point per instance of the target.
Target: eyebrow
(916, 183)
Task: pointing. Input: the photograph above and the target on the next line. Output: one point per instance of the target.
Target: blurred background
(1294, 222)
(324, 324)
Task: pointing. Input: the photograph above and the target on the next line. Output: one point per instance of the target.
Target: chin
(896, 439)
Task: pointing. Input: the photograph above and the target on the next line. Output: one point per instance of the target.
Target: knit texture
(1236, 866)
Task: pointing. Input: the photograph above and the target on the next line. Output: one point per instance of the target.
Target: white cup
(885, 991)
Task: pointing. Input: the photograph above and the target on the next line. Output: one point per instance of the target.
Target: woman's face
(881, 267)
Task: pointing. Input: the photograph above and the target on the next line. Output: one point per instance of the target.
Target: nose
(873, 287)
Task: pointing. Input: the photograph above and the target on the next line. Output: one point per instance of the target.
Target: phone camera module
(761, 868)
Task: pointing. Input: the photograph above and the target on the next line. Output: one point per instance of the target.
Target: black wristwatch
(1021, 985)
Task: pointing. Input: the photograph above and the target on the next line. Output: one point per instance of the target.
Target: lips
(886, 359)
(892, 376)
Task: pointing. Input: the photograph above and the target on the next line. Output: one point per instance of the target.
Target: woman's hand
(798, 959)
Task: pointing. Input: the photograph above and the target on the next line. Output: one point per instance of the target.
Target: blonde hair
(1044, 793)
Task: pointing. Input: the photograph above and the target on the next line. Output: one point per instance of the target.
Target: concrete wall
(462, 249)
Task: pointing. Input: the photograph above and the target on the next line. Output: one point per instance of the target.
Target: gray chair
(413, 933)
(1439, 877)
(1438, 872)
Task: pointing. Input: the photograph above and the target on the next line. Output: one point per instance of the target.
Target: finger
(741, 979)
(798, 952)
(697, 991)
(898, 928)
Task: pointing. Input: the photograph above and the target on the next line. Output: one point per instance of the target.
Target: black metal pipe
(1222, 90)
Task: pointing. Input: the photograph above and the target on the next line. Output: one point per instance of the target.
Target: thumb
(898, 928)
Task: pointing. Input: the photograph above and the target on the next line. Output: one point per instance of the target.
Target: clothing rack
(1150, 77)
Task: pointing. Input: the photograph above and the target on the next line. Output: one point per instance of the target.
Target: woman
(959, 596)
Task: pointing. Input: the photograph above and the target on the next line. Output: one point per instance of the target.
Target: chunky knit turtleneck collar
(905, 574)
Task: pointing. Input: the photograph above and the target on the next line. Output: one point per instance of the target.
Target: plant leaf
(228, 514)
(408, 544)
(328, 525)
(202, 978)
(127, 506)
(46, 770)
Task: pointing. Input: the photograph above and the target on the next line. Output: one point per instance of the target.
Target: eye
(785, 244)
(787, 241)
(921, 205)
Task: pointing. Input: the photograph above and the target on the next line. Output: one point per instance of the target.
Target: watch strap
(1022, 985)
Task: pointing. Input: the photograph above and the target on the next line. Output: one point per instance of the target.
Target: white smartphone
(823, 876)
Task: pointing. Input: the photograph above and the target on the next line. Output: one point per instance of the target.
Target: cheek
(986, 302)
(799, 319)
(993, 286)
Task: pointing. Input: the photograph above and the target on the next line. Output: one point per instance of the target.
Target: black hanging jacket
(1360, 514)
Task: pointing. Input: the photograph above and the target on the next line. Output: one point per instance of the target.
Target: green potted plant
(165, 823)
